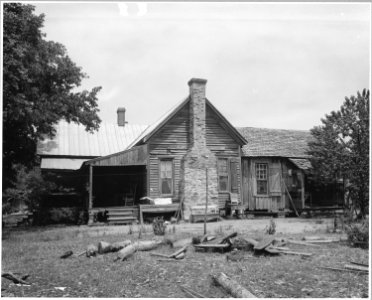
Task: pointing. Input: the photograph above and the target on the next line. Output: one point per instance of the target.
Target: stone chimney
(121, 116)
(197, 112)
(199, 165)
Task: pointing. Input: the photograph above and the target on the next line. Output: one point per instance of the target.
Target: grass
(36, 252)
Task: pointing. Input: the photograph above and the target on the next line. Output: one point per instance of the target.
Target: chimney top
(197, 80)
(121, 116)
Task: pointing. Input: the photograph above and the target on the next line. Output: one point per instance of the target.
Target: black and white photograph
(201, 149)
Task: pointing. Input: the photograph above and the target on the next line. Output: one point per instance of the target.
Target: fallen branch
(267, 241)
(232, 287)
(357, 268)
(178, 252)
(342, 270)
(294, 242)
(212, 246)
(12, 277)
(191, 292)
(358, 264)
(66, 254)
(294, 253)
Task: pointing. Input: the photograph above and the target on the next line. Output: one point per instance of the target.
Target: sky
(270, 65)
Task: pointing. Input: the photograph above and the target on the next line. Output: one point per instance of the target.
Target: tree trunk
(231, 286)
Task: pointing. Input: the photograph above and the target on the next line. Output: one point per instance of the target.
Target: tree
(340, 149)
(39, 88)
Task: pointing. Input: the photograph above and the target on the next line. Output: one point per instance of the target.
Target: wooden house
(189, 156)
(275, 172)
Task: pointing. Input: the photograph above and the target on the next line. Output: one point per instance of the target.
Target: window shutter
(234, 176)
(275, 179)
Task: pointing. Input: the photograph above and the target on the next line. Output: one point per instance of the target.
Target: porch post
(302, 180)
(90, 205)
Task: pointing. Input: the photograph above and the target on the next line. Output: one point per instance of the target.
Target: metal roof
(62, 163)
(73, 140)
(275, 142)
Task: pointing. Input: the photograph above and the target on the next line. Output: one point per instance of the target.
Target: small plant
(130, 231)
(219, 231)
(158, 226)
(358, 234)
(271, 228)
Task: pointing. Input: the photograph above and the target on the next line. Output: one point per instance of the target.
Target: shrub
(158, 226)
(358, 234)
(28, 190)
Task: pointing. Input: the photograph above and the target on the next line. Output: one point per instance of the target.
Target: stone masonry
(199, 157)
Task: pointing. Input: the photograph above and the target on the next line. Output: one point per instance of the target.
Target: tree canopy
(40, 84)
(340, 148)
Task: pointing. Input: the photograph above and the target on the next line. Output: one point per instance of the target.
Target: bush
(158, 226)
(28, 190)
(61, 215)
(358, 234)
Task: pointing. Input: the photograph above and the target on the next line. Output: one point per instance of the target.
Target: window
(166, 177)
(223, 175)
(261, 179)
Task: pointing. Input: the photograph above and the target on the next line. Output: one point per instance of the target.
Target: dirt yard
(36, 252)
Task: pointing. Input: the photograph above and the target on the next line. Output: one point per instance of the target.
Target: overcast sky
(268, 65)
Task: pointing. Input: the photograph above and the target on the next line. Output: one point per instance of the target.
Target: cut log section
(127, 252)
(104, 247)
(232, 287)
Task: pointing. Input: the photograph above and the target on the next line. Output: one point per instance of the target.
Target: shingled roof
(275, 142)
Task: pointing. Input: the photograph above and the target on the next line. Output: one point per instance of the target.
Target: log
(127, 252)
(323, 241)
(226, 238)
(212, 246)
(91, 250)
(160, 254)
(66, 254)
(266, 241)
(12, 277)
(180, 256)
(232, 287)
(117, 246)
(311, 238)
(357, 268)
(104, 247)
(146, 245)
(302, 243)
(178, 252)
(294, 253)
(252, 241)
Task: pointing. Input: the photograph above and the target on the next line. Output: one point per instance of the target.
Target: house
(191, 155)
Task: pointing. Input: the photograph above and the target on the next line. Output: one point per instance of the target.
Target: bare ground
(36, 252)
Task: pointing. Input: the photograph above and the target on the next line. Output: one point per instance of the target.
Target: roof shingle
(275, 142)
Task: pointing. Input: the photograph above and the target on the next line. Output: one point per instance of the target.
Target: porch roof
(301, 163)
(57, 163)
(135, 156)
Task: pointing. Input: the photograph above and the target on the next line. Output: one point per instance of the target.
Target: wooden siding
(220, 142)
(133, 157)
(172, 141)
(218, 139)
(275, 199)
